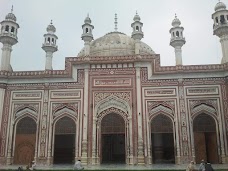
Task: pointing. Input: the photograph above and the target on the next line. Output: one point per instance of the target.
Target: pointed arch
(160, 109)
(204, 108)
(112, 101)
(26, 112)
(65, 111)
(25, 139)
(112, 110)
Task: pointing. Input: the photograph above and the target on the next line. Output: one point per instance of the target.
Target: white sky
(33, 16)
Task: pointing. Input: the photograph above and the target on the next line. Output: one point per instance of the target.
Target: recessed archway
(161, 133)
(25, 141)
(113, 139)
(64, 149)
(205, 138)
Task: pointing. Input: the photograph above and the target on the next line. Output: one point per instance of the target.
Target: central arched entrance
(162, 139)
(205, 140)
(64, 149)
(113, 139)
(25, 141)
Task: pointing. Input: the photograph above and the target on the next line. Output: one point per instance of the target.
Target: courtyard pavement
(118, 167)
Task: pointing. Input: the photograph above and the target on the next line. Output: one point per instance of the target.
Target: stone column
(50, 140)
(2, 95)
(137, 46)
(6, 54)
(84, 156)
(10, 136)
(223, 156)
(87, 48)
(42, 143)
(130, 141)
(139, 115)
(224, 45)
(94, 150)
(48, 64)
(178, 54)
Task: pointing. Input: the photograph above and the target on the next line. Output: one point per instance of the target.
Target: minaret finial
(87, 14)
(12, 9)
(116, 22)
(136, 12)
(51, 21)
(175, 15)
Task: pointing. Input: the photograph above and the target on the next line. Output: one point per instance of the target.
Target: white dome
(116, 44)
(220, 6)
(51, 28)
(176, 22)
(11, 16)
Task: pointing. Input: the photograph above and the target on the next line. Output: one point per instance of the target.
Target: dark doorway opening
(64, 148)
(162, 140)
(113, 148)
(163, 148)
(113, 139)
(205, 139)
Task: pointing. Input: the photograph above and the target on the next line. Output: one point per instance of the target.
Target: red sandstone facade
(183, 106)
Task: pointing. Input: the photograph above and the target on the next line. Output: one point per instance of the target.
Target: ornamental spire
(12, 9)
(116, 22)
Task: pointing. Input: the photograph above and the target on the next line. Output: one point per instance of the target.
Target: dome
(11, 16)
(87, 20)
(220, 6)
(116, 44)
(176, 22)
(51, 28)
(137, 17)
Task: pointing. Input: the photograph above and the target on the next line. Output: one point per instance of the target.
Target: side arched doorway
(205, 139)
(64, 149)
(25, 141)
(162, 139)
(113, 139)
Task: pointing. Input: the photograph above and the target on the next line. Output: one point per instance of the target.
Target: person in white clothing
(78, 165)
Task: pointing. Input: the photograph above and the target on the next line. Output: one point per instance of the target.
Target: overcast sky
(33, 16)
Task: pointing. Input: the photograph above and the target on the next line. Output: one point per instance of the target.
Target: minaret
(137, 33)
(8, 37)
(177, 40)
(220, 28)
(87, 34)
(49, 45)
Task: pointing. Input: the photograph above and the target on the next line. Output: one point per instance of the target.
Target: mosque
(114, 102)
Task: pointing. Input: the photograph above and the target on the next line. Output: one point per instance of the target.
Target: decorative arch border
(112, 110)
(160, 109)
(112, 102)
(24, 107)
(208, 109)
(97, 128)
(55, 120)
(26, 112)
(209, 102)
(203, 108)
(62, 106)
(65, 112)
(17, 120)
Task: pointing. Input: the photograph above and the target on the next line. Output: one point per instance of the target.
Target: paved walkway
(119, 167)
